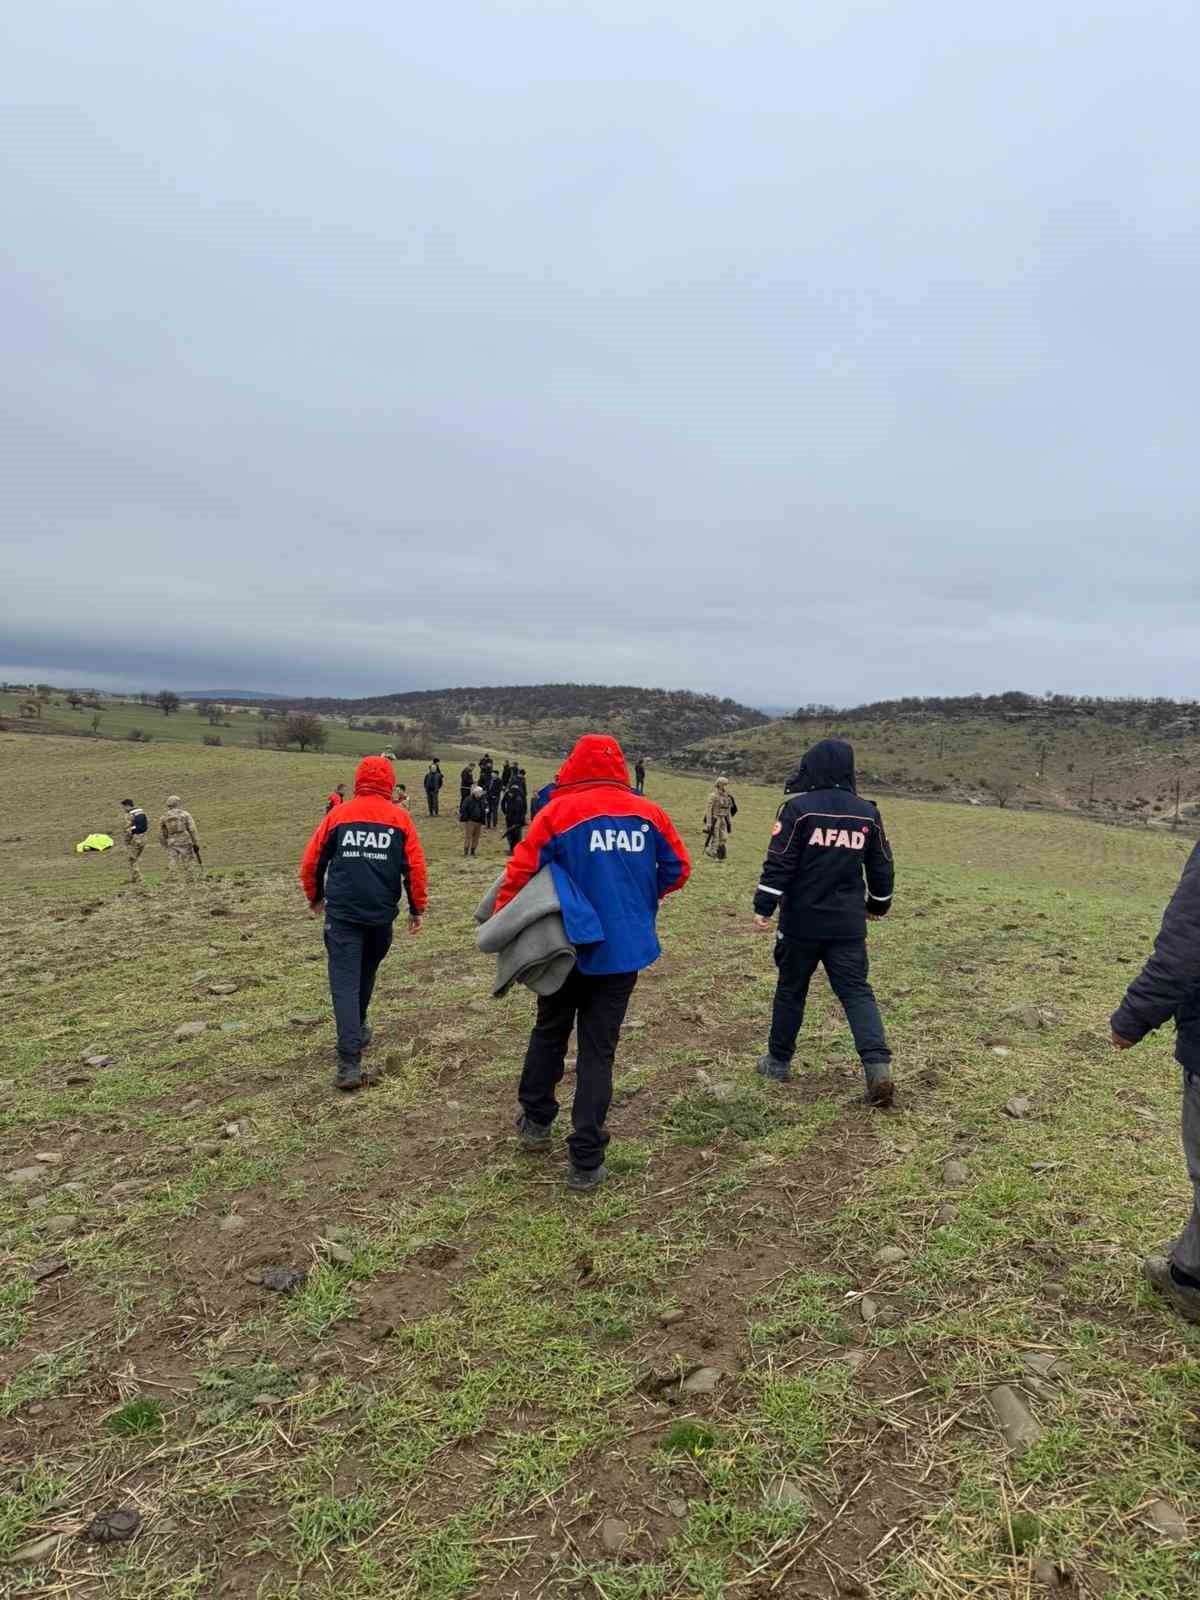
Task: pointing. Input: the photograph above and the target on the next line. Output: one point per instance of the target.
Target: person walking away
(494, 790)
(622, 855)
(472, 813)
(433, 784)
(486, 767)
(137, 826)
(1168, 987)
(515, 808)
(639, 776)
(336, 798)
(718, 820)
(363, 856)
(177, 831)
(824, 839)
(466, 782)
(508, 772)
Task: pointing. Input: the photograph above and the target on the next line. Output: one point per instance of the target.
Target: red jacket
(365, 853)
(614, 855)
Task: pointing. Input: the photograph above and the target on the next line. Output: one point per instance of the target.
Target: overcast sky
(795, 351)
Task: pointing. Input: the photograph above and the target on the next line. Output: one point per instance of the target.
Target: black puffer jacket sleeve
(1173, 971)
(881, 870)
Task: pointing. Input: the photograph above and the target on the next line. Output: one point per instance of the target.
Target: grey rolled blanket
(527, 938)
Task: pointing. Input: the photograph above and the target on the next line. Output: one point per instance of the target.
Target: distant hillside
(548, 716)
(1129, 759)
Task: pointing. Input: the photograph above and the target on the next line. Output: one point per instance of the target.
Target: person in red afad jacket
(614, 856)
(336, 798)
(362, 857)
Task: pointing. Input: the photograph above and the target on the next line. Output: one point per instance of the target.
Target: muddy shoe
(1158, 1274)
(349, 1076)
(533, 1135)
(583, 1179)
(881, 1089)
(780, 1071)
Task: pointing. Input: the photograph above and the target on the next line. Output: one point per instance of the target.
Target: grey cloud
(789, 352)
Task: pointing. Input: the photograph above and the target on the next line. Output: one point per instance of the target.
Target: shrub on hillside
(136, 736)
(212, 738)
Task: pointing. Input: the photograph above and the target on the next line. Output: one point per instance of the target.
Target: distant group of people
(483, 799)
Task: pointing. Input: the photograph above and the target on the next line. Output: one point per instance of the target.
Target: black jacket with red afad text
(826, 840)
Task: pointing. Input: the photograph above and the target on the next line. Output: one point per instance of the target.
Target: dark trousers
(355, 950)
(431, 801)
(846, 966)
(596, 1007)
(512, 837)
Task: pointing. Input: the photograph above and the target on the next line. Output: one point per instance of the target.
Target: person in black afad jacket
(823, 840)
(1167, 987)
(516, 808)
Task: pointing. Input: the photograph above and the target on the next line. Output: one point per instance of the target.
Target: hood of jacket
(828, 765)
(374, 775)
(596, 758)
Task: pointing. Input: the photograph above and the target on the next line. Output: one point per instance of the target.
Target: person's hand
(761, 924)
(415, 921)
(1122, 1044)
(317, 908)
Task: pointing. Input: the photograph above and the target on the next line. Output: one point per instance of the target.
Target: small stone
(955, 1174)
(669, 1318)
(1040, 1363)
(25, 1177)
(47, 1267)
(73, 1188)
(128, 1188)
(868, 1309)
(265, 1402)
(49, 1158)
(853, 1359)
(282, 1280)
(222, 988)
(231, 1130)
(1054, 1291)
(320, 1360)
(232, 1223)
(1166, 1519)
(166, 1527)
(945, 1215)
(97, 1061)
(890, 1256)
(1018, 1424)
(703, 1381)
(786, 1492)
(115, 1525)
(1019, 1106)
(306, 1021)
(1048, 1574)
(1001, 1050)
(677, 1508)
(234, 1027)
(35, 1552)
(337, 1252)
(74, 1081)
(61, 1224)
(190, 1030)
(614, 1535)
(39, 1202)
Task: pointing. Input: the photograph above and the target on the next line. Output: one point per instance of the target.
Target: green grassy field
(700, 1382)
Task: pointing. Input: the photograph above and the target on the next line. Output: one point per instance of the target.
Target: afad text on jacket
(613, 853)
(366, 853)
(824, 839)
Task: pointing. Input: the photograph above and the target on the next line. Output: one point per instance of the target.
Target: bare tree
(305, 729)
(1005, 786)
(167, 701)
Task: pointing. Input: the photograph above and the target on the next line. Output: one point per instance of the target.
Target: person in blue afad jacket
(824, 840)
(1166, 989)
(614, 856)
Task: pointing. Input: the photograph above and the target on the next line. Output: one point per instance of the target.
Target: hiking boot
(881, 1088)
(349, 1076)
(770, 1067)
(583, 1179)
(1158, 1274)
(368, 1033)
(533, 1135)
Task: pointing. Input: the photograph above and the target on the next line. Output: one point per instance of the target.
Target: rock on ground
(614, 1535)
(955, 1174)
(1166, 1519)
(1020, 1427)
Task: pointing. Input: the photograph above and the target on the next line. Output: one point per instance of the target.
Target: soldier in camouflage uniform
(136, 829)
(179, 837)
(718, 819)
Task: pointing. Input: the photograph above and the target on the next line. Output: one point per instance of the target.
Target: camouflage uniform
(135, 843)
(717, 820)
(179, 837)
